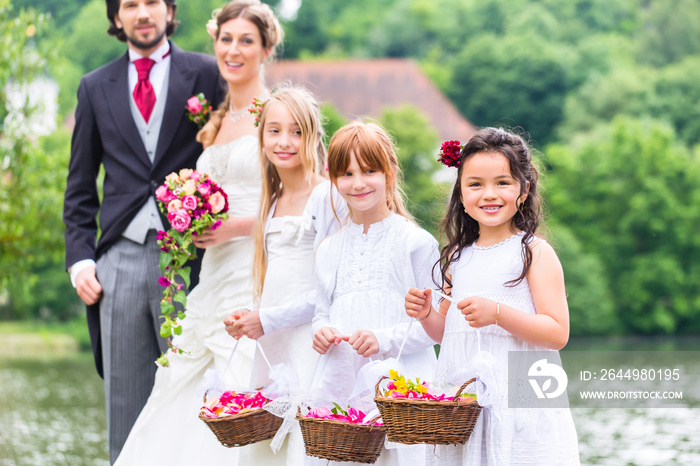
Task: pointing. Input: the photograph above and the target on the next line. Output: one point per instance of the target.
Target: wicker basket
(342, 441)
(433, 422)
(243, 429)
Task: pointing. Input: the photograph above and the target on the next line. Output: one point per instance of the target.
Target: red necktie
(144, 95)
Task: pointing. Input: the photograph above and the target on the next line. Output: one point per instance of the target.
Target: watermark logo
(541, 375)
(536, 379)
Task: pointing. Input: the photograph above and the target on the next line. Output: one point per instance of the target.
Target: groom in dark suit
(131, 119)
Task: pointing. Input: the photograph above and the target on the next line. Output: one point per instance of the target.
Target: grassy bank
(36, 337)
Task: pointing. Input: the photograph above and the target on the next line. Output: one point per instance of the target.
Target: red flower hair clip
(449, 153)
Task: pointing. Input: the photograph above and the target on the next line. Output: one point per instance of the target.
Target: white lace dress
(502, 436)
(362, 281)
(290, 243)
(168, 431)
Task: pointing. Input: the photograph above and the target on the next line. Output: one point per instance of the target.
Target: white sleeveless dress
(168, 430)
(290, 243)
(510, 436)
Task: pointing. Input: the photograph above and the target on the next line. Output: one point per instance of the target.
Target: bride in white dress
(168, 430)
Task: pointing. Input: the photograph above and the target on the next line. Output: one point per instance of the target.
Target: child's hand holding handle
(232, 325)
(418, 303)
(325, 337)
(478, 311)
(364, 342)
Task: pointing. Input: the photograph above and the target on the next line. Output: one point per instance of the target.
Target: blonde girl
(295, 215)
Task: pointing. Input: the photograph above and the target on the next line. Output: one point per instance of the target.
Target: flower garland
(198, 109)
(231, 403)
(450, 153)
(192, 202)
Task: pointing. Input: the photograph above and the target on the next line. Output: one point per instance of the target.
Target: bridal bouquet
(192, 202)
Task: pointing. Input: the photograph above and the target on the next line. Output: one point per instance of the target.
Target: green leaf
(338, 410)
(185, 274)
(181, 315)
(180, 297)
(178, 330)
(165, 259)
(166, 308)
(165, 328)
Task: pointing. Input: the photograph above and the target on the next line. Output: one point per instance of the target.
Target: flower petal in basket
(241, 429)
(412, 421)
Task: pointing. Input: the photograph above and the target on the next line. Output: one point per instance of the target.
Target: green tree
(416, 142)
(676, 97)
(332, 120)
(591, 307)
(668, 31)
(512, 81)
(628, 195)
(32, 173)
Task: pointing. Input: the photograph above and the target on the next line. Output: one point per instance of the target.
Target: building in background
(365, 87)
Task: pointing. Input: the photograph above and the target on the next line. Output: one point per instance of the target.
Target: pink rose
(204, 189)
(195, 176)
(172, 177)
(179, 219)
(175, 204)
(194, 106)
(189, 202)
(217, 202)
(162, 193)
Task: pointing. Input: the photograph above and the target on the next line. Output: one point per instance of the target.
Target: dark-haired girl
(507, 285)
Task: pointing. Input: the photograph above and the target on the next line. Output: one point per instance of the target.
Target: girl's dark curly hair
(461, 230)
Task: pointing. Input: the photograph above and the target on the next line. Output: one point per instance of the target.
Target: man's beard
(139, 44)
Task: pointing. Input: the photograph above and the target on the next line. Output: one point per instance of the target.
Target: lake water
(52, 413)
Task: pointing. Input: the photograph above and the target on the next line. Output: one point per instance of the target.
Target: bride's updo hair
(271, 33)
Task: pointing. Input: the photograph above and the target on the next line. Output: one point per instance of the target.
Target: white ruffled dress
(362, 281)
(502, 435)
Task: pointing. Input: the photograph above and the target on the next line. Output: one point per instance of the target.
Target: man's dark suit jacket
(105, 134)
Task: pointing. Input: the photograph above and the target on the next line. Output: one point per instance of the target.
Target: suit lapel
(116, 90)
(180, 85)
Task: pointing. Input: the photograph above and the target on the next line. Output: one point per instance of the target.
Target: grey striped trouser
(130, 324)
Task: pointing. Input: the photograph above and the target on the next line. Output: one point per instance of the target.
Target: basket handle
(376, 387)
(374, 419)
(464, 385)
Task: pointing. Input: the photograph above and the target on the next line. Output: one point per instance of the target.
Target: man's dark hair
(113, 9)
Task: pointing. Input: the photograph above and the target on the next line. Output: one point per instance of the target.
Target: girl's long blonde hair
(374, 149)
(305, 110)
(271, 34)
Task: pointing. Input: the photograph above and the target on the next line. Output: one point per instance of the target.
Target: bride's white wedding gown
(168, 430)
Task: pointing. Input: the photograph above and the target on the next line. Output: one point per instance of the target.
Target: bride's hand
(232, 227)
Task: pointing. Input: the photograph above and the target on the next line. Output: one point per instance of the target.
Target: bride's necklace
(236, 115)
